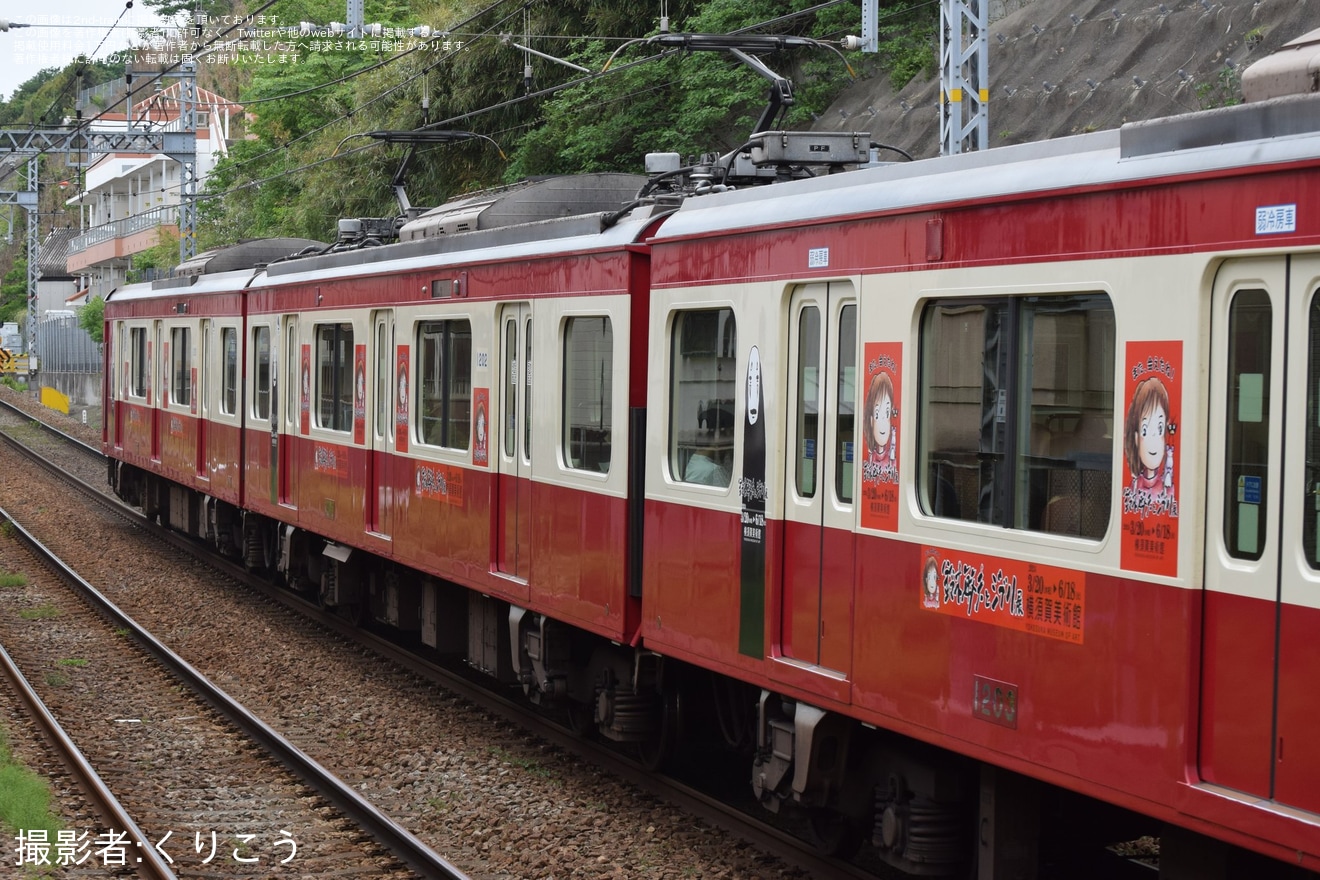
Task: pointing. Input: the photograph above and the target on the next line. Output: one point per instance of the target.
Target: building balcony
(121, 238)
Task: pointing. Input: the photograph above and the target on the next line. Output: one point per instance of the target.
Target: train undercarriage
(922, 810)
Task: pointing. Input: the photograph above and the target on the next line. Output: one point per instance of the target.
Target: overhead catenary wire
(469, 114)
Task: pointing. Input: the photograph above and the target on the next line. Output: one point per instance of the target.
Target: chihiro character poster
(1152, 408)
(880, 423)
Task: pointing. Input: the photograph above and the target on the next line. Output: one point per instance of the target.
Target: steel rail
(698, 804)
(112, 812)
(396, 839)
(52, 430)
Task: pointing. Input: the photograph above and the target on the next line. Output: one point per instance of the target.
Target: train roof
(546, 238)
(1269, 132)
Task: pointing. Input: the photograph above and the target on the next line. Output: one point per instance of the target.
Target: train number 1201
(995, 701)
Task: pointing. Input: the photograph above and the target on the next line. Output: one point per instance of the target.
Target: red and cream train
(947, 487)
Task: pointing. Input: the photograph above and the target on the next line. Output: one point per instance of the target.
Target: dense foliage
(13, 291)
(301, 161)
(557, 120)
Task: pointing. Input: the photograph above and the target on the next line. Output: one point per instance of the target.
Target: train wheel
(656, 751)
(581, 719)
(354, 612)
(834, 834)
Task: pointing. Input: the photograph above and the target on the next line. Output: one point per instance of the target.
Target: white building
(131, 198)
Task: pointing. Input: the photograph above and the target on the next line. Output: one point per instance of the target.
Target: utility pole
(964, 76)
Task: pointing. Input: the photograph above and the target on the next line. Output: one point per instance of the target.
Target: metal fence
(63, 346)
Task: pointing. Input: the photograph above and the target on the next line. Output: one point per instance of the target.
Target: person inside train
(704, 467)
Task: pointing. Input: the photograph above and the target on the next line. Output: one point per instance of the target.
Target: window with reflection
(588, 415)
(180, 366)
(703, 378)
(229, 370)
(1311, 497)
(137, 362)
(261, 374)
(444, 392)
(1246, 451)
(334, 376)
(1017, 412)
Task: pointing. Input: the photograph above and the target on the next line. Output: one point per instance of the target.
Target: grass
(24, 797)
(41, 612)
(13, 579)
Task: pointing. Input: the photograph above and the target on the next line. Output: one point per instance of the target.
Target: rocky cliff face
(1061, 67)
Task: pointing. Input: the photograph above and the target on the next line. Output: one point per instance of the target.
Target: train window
(334, 376)
(701, 388)
(297, 393)
(384, 379)
(527, 392)
(843, 429)
(808, 402)
(137, 361)
(180, 366)
(229, 371)
(1246, 454)
(588, 392)
(261, 372)
(1016, 412)
(510, 393)
(444, 393)
(1311, 498)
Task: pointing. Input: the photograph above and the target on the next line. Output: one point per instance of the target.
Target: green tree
(164, 254)
(13, 291)
(91, 318)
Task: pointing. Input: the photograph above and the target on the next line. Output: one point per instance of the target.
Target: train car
(366, 422)
(172, 405)
(411, 425)
(953, 493)
(1021, 466)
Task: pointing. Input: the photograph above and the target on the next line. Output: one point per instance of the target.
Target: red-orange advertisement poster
(1152, 407)
(481, 444)
(401, 400)
(439, 482)
(305, 402)
(1025, 596)
(880, 421)
(359, 394)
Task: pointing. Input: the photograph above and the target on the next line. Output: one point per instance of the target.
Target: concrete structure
(131, 200)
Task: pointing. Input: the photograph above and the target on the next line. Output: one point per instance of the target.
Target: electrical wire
(459, 117)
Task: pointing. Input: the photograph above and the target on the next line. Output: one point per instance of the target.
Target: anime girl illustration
(880, 407)
(1146, 446)
(881, 434)
(930, 583)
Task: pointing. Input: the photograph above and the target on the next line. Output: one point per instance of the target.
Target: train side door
(816, 601)
(1262, 575)
(156, 396)
(381, 407)
(294, 394)
(513, 484)
(201, 395)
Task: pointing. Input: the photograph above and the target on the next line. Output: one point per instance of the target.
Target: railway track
(199, 777)
(754, 838)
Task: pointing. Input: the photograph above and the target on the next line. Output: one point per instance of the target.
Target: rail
(396, 839)
(150, 864)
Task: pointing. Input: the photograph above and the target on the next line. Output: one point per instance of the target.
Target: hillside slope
(1061, 67)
